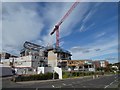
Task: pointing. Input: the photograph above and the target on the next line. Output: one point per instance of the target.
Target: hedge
(45, 76)
(78, 74)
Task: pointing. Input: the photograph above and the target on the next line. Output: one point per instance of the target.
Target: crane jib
(56, 28)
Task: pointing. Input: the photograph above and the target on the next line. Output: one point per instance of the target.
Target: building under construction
(41, 53)
(33, 56)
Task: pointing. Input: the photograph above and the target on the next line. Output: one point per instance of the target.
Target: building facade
(78, 65)
(56, 57)
(33, 56)
(101, 63)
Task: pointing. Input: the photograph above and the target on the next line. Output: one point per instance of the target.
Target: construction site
(35, 59)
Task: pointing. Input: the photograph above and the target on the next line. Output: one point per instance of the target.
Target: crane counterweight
(56, 28)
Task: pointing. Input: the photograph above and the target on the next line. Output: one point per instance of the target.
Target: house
(101, 63)
(78, 65)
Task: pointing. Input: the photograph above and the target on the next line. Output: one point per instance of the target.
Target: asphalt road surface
(109, 81)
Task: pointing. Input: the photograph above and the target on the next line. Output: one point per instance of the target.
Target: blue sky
(90, 32)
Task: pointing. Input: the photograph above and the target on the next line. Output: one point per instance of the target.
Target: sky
(90, 31)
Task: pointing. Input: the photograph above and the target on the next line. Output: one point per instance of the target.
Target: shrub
(78, 73)
(65, 74)
(56, 76)
(74, 73)
(45, 76)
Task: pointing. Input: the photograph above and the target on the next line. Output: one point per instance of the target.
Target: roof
(31, 46)
(59, 50)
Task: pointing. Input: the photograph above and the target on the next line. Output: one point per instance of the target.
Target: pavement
(107, 81)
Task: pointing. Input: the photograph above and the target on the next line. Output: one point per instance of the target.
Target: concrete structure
(5, 62)
(52, 59)
(27, 64)
(5, 70)
(79, 65)
(56, 56)
(4, 55)
(5, 58)
(103, 63)
(100, 63)
(35, 59)
(36, 51)
(50, 69)
(27, 61)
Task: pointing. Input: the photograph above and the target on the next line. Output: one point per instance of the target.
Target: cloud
(68, 25)
(111, 58)
(80, 49)
(20, 23)
(84, 28)
(59, 0)
(90, 13)
(100, 34)
(26, 21)
(95, 49)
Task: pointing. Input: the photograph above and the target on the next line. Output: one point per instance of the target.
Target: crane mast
(56, 28)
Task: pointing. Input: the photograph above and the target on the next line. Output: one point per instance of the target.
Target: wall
(52, 59)
(92, 69)
(35, 61)
(29, 70)
(40, 70)
(6, 62)
(24, 61)
(5, 55)
(50, 69)
(6, 70)
(45, 69)
(59, 71)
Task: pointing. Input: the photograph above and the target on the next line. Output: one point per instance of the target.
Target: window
(29, 69)
(35, 57)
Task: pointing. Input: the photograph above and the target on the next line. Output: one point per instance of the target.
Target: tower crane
(56, 28)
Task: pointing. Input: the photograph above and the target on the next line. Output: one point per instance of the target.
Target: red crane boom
(56, 28)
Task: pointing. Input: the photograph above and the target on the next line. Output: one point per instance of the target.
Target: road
(109, 81)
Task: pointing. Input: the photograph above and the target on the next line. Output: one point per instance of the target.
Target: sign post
(53, 75)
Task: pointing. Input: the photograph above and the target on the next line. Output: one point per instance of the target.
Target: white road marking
(106, 86)
(69, 84)
(53, 86)
(64, 84)
(110, 84)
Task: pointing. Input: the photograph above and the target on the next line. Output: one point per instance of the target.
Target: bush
(65, 74)
(45, 76)
(74, 74)
(56, 76)
(78, 74)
